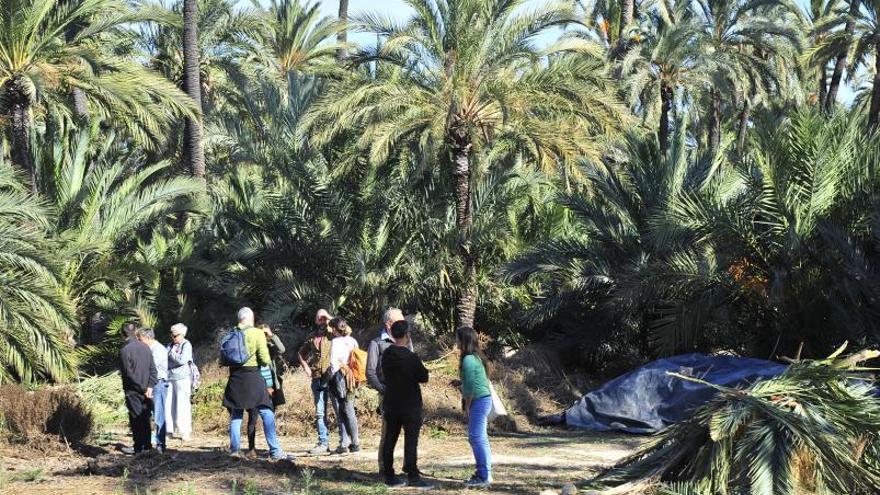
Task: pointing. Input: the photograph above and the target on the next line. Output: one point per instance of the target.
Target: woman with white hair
(178, 408)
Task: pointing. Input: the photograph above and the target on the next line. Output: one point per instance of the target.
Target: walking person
(375, 379)
(250, 386)
(476, 397)
(160, 360)
(403, 372)
(138, 379)
(276, 350)
(342, 385)
(314, 356)
(178, 404)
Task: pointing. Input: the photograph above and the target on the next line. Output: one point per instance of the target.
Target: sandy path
(523, 464)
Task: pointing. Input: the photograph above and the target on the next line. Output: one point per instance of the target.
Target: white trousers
(178, 408)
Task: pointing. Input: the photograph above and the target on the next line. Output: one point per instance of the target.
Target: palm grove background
(660, 176)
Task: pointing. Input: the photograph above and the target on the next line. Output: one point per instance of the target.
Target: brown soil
(523, 464)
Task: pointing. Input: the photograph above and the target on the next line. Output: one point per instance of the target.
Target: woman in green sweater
(477, 402)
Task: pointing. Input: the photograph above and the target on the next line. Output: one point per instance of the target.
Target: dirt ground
(523, 464)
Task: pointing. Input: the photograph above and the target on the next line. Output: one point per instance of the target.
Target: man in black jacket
(138, 379)
(375, 378)
(403, 371)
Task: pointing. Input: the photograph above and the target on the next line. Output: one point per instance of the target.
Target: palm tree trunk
(466, 303)
(823, 88)
(874, 110)
(665, 107)
(20, 110)
(840, 63)
(80, 101)
(627, 10)
(192, 137)
(342, 36)
(714, 130)
(743, 128)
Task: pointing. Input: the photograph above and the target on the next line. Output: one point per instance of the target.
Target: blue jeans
(478, 437)
(321, 396)
(268, 417)
(159, 393)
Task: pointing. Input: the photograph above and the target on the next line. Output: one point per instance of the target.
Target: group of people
(157, 381)
(392, 368)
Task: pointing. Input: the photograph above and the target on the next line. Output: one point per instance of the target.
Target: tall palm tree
(42, 60)
(461, 76)
(840, 62)
(750, 50)
(664, 65)
(192, 138)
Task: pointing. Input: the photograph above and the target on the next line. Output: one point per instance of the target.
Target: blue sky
(401, 11)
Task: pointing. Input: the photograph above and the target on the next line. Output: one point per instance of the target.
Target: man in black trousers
(403, 371)
(138, 379)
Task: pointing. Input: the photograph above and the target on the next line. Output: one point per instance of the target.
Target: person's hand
(149, 393)
(270, 390)
(268, 332)
(308, 371)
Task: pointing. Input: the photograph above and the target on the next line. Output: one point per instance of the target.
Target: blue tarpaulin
(648, 399)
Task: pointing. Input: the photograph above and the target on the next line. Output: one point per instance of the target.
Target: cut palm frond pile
(812, 430)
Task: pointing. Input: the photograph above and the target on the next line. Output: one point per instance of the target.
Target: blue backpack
(233, 351)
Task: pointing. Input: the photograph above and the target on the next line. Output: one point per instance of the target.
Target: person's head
(340, 326)
(400, 332)
(322, 318)
(129, 330)
(391, 316)
(246, 316)
(178, 333)
(146, 335)
(469, 344)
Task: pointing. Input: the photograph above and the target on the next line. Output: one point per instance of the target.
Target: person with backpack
(403, 372)
(250, 384)
(476, 394)
(342, 385)
(314, 356)
(178, 405)
(375, 378)
(276, 350)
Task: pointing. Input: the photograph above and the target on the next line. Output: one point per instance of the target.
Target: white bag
(498, 408)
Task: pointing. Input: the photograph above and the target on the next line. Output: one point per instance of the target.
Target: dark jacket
(403, 372)
(375, 349)
(137, 367)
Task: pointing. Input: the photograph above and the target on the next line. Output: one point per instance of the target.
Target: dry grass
(39, 418)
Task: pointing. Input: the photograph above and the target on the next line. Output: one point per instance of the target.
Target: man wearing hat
(314, 356)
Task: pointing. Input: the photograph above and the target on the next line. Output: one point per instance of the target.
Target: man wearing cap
(375, 379)
(314, 356)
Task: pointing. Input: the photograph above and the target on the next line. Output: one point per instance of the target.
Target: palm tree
(299, 38)
(42, 61)
(342, 37)
(36, 317)
(461, 76)
(750, 50)
(867, 43)
(105, 194)
(844, 38)
(192, 137)
(664, 64)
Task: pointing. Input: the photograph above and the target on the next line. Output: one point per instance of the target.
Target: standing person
(138, 378)
(403, 372)
(160, 360)
(342, 386)
(314, 356)
(374, 369)
(178, 405)
(276, 350)
(249, 387)
(477, 402)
